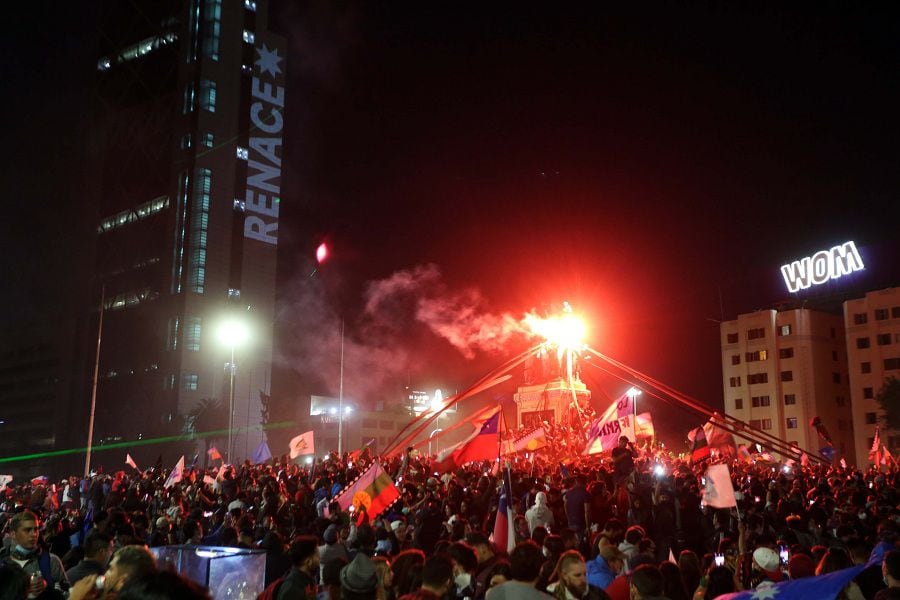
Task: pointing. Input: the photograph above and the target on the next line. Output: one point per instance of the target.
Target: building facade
(782, 369)
(873, 351)
(186, 154)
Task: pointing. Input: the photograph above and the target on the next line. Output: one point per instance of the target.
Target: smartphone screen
(720, 560)
(784, 554)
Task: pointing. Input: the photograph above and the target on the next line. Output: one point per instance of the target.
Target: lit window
(792, 422)
(250, 5)
(190, 382)
(246, 69)
(186, 141)
(132, 215)
(234, 293)
(208, 95)
(173, 332)
(249, 36)
(240, 205)
(189, 99)
(785, 330)
(208, 140)
(212, 18)
(184, 184)
(243, 153)
(199, 225)
(192, 334)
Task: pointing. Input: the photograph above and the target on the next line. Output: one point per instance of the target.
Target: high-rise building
(185, 154)
(780, 369)
(873, 352)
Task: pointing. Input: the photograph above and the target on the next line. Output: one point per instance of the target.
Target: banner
(303, 444)
(615, 422)
(718, 491)
(643, 426)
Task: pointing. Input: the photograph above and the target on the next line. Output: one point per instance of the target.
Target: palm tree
(207, 421)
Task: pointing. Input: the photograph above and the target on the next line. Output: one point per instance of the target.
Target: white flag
(130, 462)
(4, 479)
(176, 474)
(303, 444)
(718, 492)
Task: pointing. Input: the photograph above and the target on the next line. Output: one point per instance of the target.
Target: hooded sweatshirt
(539, 514)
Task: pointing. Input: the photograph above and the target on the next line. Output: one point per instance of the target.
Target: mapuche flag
(374, 489)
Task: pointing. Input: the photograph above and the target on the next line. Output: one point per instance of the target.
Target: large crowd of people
(623, 525)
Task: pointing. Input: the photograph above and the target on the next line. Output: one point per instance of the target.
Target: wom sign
(822, 266)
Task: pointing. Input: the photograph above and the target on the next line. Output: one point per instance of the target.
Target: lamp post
(232, 333)
(633, 393)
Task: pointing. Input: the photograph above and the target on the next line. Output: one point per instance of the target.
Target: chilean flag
(483, 444)
(504, 536)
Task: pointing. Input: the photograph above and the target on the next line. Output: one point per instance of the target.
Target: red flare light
(322, 253)
(565, 331)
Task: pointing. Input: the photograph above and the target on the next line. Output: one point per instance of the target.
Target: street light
(232, 333)
(633, 393)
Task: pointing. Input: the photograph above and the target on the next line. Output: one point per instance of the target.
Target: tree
(208, 419)
(888, 398)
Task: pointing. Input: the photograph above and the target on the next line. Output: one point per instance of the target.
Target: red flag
(214, 454)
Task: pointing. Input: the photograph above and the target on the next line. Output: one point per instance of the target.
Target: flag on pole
(176, 474)
(718, 438)
(262, 453)
(214, 454)
(374, 489)
(615, 422)
(718, 491)
(130, 462)
(886, 457)
(699, 448)
(643, 426)
(4, 479)
(504, 536)
(875, 451)
(303, 444)
(483, 445)
(744, 453)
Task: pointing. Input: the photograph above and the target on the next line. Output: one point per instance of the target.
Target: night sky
(653, 167)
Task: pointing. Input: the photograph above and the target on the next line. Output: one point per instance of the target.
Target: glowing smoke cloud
(458, 317)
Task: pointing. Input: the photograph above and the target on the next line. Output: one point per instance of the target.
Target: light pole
(232, 333)
(633, 393)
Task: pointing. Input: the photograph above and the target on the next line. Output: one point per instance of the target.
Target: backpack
(271, 592)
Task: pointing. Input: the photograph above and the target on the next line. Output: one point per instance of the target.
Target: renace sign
(822, 266)
(264, 156)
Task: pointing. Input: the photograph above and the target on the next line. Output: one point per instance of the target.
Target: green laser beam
(147, 442)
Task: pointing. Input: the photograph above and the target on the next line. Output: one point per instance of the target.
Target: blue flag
(262, 453)
(820, 587)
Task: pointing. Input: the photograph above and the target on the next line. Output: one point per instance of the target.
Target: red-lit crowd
(623, 525)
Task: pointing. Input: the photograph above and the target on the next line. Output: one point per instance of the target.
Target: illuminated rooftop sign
(822, 266)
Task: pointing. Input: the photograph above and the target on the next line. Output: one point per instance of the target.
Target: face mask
(462, 581)
(22, 551)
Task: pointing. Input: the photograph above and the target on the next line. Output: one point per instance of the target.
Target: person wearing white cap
(768, 562)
